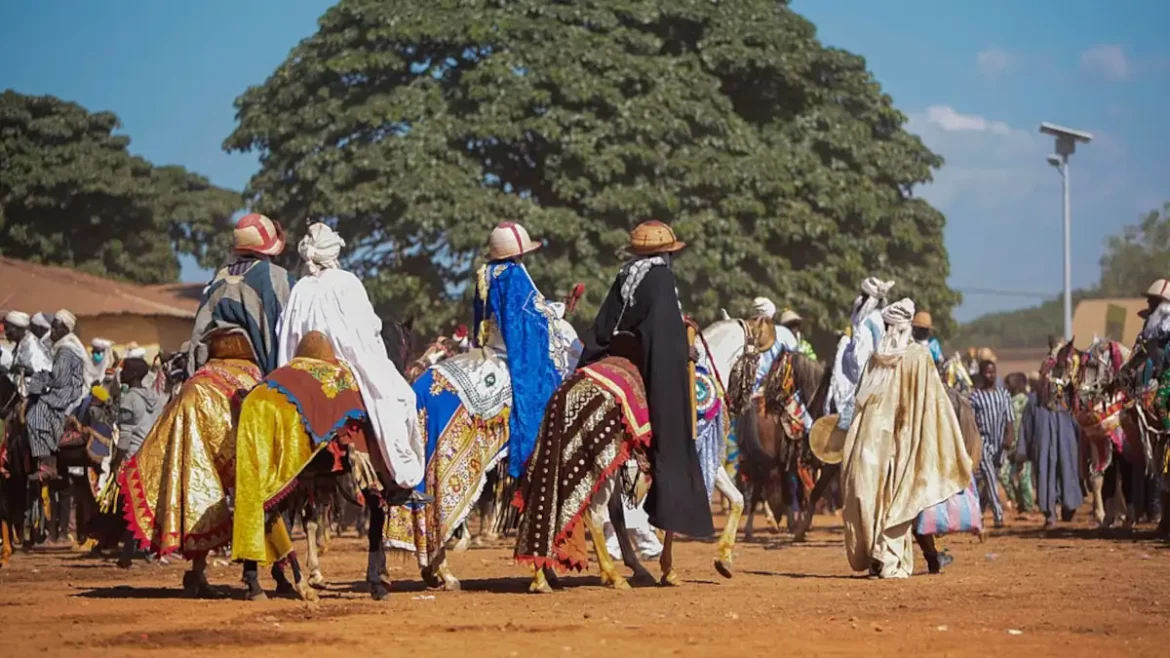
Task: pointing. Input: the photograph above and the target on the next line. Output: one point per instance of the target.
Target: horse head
(399, 337)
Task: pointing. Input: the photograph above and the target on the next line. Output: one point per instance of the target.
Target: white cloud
(1108, 61)
(993, 61)
(947, 118)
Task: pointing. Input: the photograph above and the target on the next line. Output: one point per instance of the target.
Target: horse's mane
(812, 380)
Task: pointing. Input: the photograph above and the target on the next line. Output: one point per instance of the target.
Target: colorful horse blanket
(594, 421)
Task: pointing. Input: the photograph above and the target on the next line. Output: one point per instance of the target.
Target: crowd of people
(890, 410)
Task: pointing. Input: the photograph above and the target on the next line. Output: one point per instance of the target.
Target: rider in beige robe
(904, 451)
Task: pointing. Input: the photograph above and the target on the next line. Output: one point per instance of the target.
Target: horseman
(334, 302)
(40, 328)
(56, 393)
(923, 331)
(514, 319)
(642, 318)
(29, 355)
(791, 321)
(1155, 332)
(867, 329)
(248, 293)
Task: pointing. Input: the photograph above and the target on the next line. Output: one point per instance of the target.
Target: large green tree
(72, 194)
(1138, 256)
(417, 125)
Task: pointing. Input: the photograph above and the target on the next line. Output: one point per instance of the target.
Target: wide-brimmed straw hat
(653, 237)
(510, 240)
(826, 440)
(1159, 289)
(789, 316)
(922, 320)
(257, 234)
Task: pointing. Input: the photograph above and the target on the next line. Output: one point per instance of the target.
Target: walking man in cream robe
(334, 302)
(904, 451)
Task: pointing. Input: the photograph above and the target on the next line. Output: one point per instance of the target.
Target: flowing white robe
(904, 453)
(335, 303)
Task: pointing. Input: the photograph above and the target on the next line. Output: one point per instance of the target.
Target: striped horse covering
(957, 514)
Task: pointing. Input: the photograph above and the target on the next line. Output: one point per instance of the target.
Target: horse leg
(1097, 486)
(195, 583)
(666, 563)
(609, 573)
(312, 520)
(751, 495)
(464, 537)
(6, 541)
(377, 577)
(823, 482)
(727, 541)
(617, 516)
(251, 577)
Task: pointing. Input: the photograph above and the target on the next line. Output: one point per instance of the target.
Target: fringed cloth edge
(135, 504)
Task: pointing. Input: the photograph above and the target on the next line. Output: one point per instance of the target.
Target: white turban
(66, 318)
(17, 319)
(101, 344)
(41, 321)
(764, 307)
(898, 316)
(320, 248)
(136, 353)
(876, 288)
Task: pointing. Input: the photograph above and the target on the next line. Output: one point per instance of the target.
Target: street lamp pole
(1064, 184)
(1066, 143)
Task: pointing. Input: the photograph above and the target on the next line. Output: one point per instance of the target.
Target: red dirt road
(1072, 593)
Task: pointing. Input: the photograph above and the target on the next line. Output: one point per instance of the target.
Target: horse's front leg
(312, 520)
(377, 576)
(750, 495)
(726, 487)
(666, 563)
(617, 516)
(828, 472)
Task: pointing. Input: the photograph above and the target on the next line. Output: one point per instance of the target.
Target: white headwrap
(66, 318)
(320, 248)
(100, 344)
(898, 316)
(876, 288)
(764, 307)
(17, 319)
(41, 321)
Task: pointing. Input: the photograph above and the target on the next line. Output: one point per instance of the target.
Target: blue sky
(975, 79)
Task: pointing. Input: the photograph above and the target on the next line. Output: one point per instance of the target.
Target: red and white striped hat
(509, 240)
(257, 234)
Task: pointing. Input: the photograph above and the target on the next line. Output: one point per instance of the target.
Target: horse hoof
(307, 593)
(257, 595)
(378, 591)
(539, 588)
(461, 545)
(800, 537)
(644, 577)
(451, 584)
(317, 580)
(670, 579)
(615, 582)
(432, 581)
(723, 567)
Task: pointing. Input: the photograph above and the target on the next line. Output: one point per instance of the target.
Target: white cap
(66, 318)
(100, 344)
(764, 306)
(789, 316)
(17, 319)
(1159, 289)
(41, 320)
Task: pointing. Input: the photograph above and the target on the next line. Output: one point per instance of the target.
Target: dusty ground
(1071, 593)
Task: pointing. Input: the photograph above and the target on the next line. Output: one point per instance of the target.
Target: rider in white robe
(335, 302)
(867, 331)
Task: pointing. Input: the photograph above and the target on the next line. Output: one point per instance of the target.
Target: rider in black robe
(677, 500)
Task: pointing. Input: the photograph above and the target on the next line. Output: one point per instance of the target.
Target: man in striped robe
(249, 293)
(54, 395)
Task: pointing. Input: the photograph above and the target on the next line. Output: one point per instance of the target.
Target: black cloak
(677, 500)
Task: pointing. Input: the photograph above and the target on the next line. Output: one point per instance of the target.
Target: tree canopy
(72, 194)
(1133, 259)
(417, 125)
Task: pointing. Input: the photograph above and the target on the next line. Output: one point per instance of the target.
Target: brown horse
(773, 443)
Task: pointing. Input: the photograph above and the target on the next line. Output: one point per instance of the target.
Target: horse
(463, 406)
(765, 454)
(14, 468)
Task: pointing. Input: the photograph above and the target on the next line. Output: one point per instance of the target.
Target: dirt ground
(1072, 592)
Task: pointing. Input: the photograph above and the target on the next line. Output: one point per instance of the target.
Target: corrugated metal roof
(31, 287)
